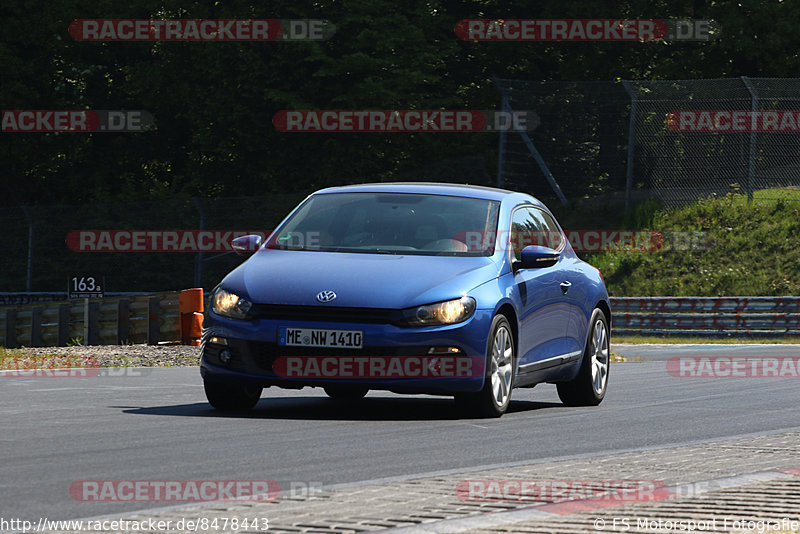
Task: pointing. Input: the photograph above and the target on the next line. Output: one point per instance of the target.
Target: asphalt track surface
(158, 426)
(663, 352)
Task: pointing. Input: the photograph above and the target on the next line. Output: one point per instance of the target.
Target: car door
(574, 287)
(545, 311)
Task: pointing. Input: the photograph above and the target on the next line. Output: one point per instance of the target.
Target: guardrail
(109, 321)
(156, 317)
(706, 316)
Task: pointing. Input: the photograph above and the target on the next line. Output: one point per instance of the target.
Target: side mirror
(536, 256)
(246, 245)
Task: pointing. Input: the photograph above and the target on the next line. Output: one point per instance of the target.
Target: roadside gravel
(171, 355)
(109, 356)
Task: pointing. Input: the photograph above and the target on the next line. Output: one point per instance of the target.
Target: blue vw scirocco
(413, 288)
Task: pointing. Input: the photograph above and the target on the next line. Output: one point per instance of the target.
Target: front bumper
(253, 350)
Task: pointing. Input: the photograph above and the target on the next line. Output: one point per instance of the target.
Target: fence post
(63, 324)
(36, 327)
(631, 144)
(501, 149)
(748, 181)
(11, 329)
(123, 321)
(153, 313)
(543, 166)
(91, 323)
(28, 281)
(198, 259)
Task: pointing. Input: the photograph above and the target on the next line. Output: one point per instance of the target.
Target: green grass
(723, 246)
(790, 195)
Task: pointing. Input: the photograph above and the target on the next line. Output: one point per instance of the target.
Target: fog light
(225, 356)
(444, 350)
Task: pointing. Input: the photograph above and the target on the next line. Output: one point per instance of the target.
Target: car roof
(434, 188)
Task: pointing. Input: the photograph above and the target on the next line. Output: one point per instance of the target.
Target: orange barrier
(190, 305)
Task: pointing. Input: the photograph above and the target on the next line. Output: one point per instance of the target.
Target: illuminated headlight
(441, 313)
(230, 305)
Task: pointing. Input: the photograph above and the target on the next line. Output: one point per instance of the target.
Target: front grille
(326, 314)
(257, 357)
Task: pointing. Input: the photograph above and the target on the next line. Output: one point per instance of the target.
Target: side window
(554, 236)
(526, 229)
(532, 226)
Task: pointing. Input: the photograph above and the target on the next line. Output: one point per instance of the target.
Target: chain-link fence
(674, 140)
(156, 246)
(45, 246)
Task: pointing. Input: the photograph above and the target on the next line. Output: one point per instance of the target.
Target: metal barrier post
(36, 327)
(63, 324)
(11, 329)
(153, 316)
(123, 321)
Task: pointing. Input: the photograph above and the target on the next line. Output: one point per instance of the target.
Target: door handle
(565, 285)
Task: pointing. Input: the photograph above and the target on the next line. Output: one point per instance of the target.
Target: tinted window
(389, 223)
(532, 226)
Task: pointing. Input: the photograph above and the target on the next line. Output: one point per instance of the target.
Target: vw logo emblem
(326, 296)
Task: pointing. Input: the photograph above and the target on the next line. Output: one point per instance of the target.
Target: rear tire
(346, 393)
(494, 398)
(589, 387)
(231, 396)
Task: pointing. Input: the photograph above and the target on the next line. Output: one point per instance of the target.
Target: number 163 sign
(86, 287)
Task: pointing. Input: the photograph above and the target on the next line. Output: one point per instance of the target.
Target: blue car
(413, 288)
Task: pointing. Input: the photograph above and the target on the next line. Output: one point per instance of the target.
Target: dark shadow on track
(324, 409)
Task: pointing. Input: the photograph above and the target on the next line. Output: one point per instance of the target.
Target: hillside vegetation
(716, 247)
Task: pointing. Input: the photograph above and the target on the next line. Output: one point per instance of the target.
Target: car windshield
(390, 223)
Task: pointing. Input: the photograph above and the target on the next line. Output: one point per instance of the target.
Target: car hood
(359, 280)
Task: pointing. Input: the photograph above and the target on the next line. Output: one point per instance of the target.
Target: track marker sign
(86, 287)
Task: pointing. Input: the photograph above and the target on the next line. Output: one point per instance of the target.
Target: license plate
(319, 337)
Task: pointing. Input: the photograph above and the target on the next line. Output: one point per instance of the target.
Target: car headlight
(441, 313)
(230, 305)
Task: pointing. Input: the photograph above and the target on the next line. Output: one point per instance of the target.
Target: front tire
(494, 398)
(230, 396)
(589, 387)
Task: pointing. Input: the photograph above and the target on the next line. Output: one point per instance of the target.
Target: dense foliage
(716, 247)
(213, 102)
